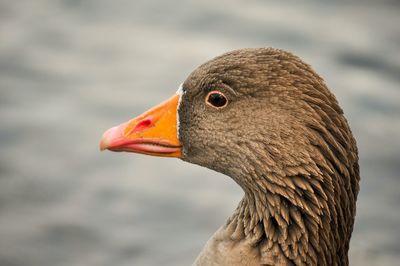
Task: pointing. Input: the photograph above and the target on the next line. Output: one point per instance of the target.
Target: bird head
(246, 113)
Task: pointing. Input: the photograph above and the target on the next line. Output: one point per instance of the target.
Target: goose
(266, 119)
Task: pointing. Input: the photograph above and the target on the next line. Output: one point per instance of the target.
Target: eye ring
(216, 99)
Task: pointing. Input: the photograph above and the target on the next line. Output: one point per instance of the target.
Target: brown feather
(284, 139)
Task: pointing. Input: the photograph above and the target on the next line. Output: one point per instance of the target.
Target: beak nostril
(144, 124)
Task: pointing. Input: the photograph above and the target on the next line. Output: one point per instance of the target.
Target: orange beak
(153, 133)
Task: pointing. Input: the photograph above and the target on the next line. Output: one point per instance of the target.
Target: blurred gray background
(71, 69)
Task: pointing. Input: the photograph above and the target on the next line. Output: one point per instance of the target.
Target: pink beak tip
(108, 137)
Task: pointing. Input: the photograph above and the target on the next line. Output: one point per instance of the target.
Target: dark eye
(216, 99)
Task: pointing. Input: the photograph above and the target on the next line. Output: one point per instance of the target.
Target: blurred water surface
(71, 69)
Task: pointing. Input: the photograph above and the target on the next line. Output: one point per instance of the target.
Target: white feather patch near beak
(180, 93)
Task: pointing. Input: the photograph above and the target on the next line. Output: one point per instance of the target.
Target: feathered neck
(301, 212)
(283, 232)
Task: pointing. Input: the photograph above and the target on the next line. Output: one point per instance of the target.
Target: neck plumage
(300, 200)
(294, 221)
